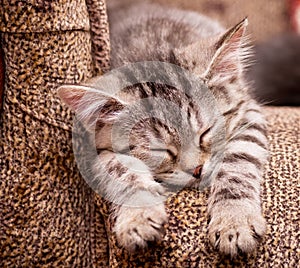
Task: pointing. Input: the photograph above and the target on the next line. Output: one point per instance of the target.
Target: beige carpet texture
(49, 217)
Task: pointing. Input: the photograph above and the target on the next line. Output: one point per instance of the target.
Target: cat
(275, 73)
(218, 58)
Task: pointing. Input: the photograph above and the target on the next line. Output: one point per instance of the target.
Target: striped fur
(177, 156)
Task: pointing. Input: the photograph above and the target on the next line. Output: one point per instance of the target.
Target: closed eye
(126, 150)
(202, 136)
(168, 151)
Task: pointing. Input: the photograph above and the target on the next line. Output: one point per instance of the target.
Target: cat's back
(144, 31)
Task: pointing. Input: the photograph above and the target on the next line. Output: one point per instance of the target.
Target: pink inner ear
(228, 60)
(71, 95)
(95, 106)
(231, 53)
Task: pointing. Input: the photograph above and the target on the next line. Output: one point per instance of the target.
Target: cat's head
(177, 145)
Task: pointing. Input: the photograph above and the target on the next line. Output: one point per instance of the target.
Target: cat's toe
(136, 227)
(156, 189)
(234, 235)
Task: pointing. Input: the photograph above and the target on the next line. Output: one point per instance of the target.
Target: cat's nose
(197, 172)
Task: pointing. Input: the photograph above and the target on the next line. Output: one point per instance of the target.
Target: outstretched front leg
(236, 221)
(136, 198)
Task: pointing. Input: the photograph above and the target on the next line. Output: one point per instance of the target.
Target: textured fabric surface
(1, 77)
(186, 244)
(100, 35)
(49, 216)
(43, 15)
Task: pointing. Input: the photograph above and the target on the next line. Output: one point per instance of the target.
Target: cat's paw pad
(136, 227)
(234, 231)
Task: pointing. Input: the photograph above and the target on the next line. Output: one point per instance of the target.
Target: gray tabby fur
(200, 45)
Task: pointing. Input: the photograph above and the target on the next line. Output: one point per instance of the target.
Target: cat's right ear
(90, 105)
(232, 53)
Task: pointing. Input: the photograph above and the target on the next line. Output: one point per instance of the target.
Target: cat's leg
(236, 221)
(137, 199)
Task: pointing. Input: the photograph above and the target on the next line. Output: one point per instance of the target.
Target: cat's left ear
(231, 54)
(91, 105)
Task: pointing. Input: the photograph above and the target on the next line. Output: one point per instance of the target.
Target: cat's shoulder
(125, 16)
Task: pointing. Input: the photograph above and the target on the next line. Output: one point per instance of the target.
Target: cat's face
(174, 156)
(176, 145)
(175, 153)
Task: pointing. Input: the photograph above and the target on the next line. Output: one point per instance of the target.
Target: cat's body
(151, 33)
(147, 32)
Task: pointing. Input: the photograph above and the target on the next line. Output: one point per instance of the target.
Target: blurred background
(267, 17)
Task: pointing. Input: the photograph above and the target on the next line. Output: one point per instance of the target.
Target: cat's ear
(90, 105)
(231, 54)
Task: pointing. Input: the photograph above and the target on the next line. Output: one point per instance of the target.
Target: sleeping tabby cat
(218, 57)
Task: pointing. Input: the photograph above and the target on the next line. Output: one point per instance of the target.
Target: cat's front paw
(136, 227)
(234, 230)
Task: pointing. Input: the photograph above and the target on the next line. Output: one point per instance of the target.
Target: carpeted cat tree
(49, 217)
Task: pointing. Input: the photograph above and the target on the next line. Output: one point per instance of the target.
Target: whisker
(240, 130)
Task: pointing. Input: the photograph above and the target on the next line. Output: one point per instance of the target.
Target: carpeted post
(48, 214)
